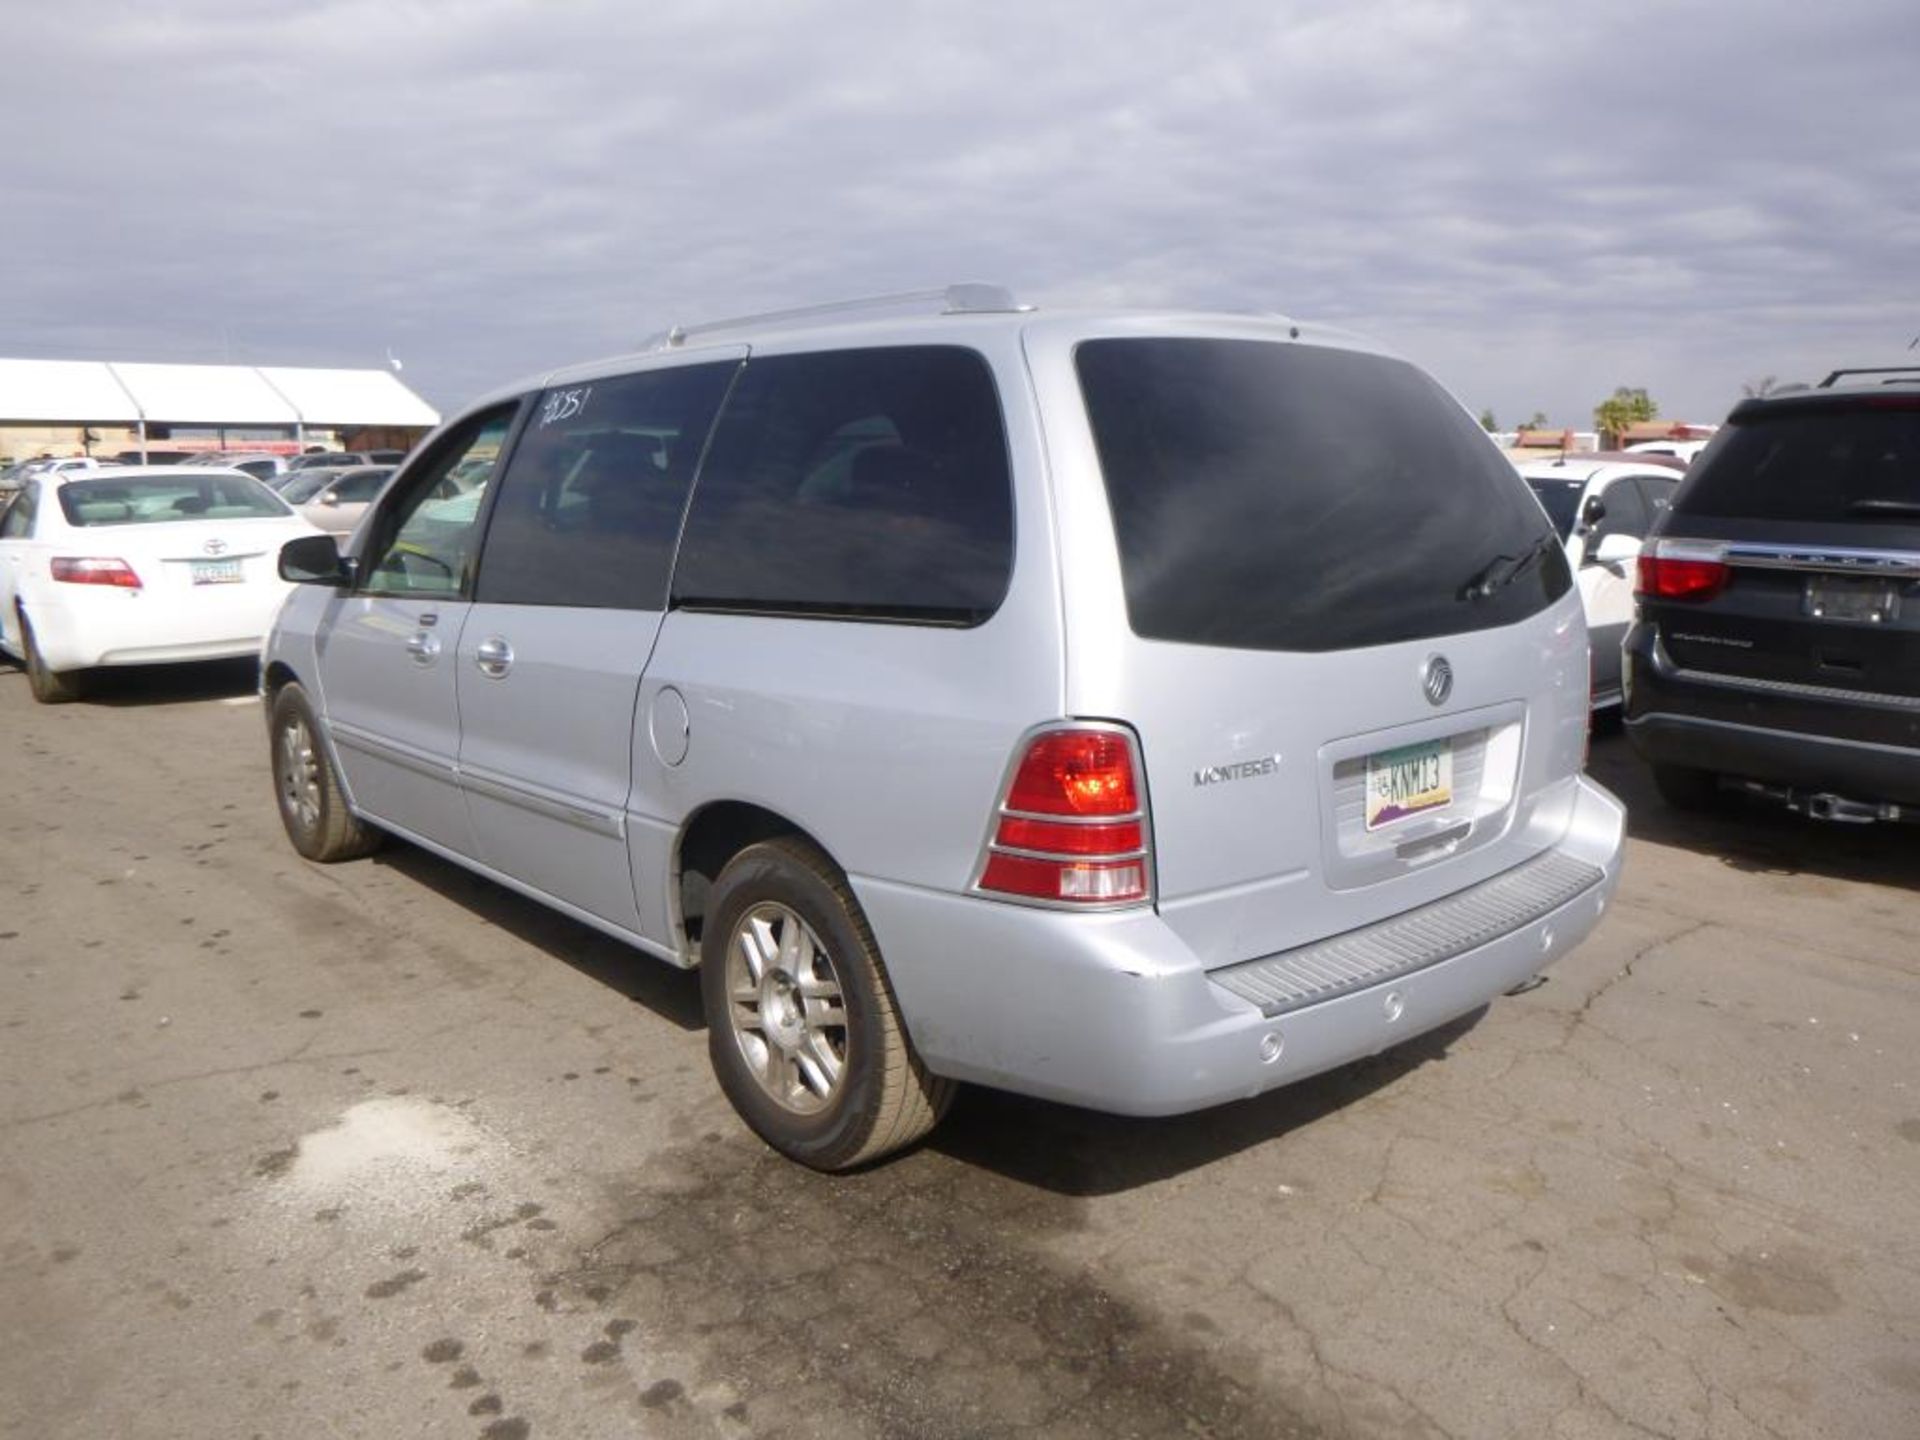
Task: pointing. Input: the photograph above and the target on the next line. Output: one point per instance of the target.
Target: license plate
(1407, 781)
(217, 572)
(1843, 597)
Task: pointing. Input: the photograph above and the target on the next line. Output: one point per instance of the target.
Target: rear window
(1279, 497)
(178, 497)
(863, 484)
(1838, 463)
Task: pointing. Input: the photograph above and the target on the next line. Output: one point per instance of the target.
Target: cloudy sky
(1539, 201)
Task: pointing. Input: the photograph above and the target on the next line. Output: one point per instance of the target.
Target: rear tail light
(1071, 828)
(95, 571)
(1682, 570)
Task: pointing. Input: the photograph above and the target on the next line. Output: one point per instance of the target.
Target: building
(120, 409)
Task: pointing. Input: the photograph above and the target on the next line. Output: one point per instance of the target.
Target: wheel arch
(710, 837)
(275, 676)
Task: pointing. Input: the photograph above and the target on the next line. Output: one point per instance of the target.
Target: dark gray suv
(1777, 648)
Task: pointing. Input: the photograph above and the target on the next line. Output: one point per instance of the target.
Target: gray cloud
(1538, 201)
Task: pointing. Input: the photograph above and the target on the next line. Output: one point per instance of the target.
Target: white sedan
(1603, 510)
(138, 565)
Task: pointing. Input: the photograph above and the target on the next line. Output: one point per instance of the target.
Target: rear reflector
(1071, 828)
(95, 571)
(1681, 570)
(1076, 881)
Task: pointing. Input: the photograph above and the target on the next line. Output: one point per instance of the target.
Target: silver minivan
(1141, 711)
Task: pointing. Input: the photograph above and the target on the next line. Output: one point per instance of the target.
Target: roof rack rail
(1897, 372)
(969, 298)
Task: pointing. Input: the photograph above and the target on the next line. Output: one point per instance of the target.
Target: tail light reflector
(1681, 570)
(1072, 828)
(93, 570)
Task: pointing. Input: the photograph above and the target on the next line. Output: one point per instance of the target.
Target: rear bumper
(1801, 737)
(99, 626)
(1115, 1012)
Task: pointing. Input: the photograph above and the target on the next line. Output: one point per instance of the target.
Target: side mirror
(1614, 551)
(1594, 511)
(315, 560)
(330, 497)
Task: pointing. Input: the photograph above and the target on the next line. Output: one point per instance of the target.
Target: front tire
(49, 687)
(802, 1026)
(312, 808)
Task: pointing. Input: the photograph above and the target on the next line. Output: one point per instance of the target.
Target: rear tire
(1686, 788)
(49, 687)
(802, 1026)
(312, 808)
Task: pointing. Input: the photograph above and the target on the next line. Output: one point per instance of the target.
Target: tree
(1624, 407)
(1756, 389)
(1487, 422)
(1539, 421)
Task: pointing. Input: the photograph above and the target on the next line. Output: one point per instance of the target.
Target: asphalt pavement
(383, 1150)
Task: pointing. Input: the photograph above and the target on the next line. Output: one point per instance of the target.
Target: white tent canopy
(204, 394)
(64, 391)
(85, 392)
(349, 397)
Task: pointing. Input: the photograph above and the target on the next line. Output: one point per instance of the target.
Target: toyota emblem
(1437, 680)
(215, 547)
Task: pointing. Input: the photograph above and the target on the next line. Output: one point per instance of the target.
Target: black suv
(1777, 644)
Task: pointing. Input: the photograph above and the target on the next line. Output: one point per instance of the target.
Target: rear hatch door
(1351, 644)
(1814, 505)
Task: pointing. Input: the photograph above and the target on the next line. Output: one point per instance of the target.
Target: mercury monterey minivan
(1141, 711)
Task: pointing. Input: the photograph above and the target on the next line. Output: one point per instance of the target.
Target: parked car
(385, 457)
(1685, 451)
(1777, 649)
(338, 498)
(1140, 711)
(335, 459)
(48, 465)
(136, 565)
(262, 465)
(1602, 511)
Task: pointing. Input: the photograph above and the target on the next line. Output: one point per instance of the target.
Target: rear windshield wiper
(1503, 570)
(1884, 507)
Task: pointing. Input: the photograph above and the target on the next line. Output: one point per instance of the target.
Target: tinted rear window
(866, 484)
(1839, 463)
(183, 497)
(1278, 497)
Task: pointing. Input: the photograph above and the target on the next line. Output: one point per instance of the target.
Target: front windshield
(1560, 499)
(306, 484)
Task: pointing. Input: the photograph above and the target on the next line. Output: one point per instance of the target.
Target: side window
(16, 523)
(590, 505)
(859, 483)
(1659, 498)
(1626, 513)
(425, 540)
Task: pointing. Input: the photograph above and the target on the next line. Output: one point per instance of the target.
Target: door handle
(424, 648)
(494, 657)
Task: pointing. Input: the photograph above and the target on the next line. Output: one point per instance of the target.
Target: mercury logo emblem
(215, 547)
(1437, 680)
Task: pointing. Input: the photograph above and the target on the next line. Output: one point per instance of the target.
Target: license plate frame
(1407, 780)
(215, 572)
(1851, 599)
